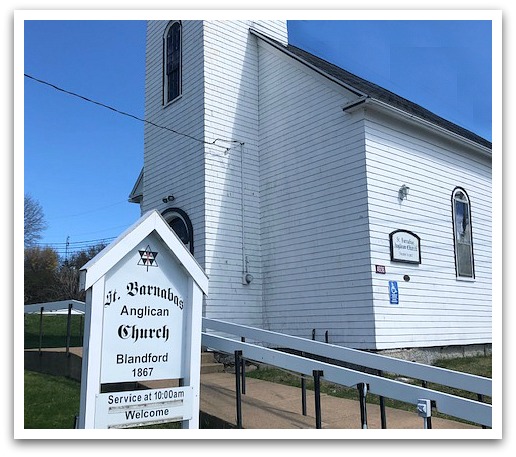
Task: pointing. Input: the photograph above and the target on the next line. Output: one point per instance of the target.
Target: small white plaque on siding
(405, 246)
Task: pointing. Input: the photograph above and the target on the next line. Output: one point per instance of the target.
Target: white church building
(319, 204)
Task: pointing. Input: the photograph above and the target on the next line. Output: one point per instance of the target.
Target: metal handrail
(61, 305)
(471, 383)
(459, 407)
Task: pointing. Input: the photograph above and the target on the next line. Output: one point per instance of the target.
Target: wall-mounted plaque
(405, 246)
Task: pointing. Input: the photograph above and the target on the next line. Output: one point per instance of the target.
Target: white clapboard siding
(435, 308)
(313, 207)
(232, 181)
(174, 164)
(285, 184)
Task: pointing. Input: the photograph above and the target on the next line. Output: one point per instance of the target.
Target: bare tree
(34, 221)
(67, 284)
(67, 276)
(40, 269)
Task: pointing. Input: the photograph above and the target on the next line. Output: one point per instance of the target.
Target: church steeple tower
(202, 146)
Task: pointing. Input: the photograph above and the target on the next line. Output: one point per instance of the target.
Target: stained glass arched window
(462, 234)
(172, 62)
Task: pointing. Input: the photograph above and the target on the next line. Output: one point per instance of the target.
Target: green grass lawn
(54, 330)
(480, 366)
(50, 401)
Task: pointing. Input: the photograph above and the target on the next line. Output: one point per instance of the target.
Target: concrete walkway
(267, 405)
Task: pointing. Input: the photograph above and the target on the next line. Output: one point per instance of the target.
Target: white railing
(257, 345)
(68, 307)
(58, 307)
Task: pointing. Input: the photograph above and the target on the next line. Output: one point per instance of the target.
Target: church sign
(143, 323)
(405, 246)
(122, 409)
(143, 319)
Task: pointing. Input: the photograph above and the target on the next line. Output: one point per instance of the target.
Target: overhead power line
(77, 244)
(103, 105)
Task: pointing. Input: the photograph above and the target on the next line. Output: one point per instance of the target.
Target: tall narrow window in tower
(464, 264)
(172, 62)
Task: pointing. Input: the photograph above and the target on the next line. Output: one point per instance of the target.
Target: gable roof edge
(136, 194)
(373, 93)
(380, 105)
(150, 222)
(283, 49)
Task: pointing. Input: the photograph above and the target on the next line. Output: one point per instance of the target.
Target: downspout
(242, 203)
(246, 276)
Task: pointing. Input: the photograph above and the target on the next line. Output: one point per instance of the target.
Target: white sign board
(143, 407)
(144, 309)
(405, 247)
(143, 313)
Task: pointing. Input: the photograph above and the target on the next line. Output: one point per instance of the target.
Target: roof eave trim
(136, 194)
(282, 48)
(374, 103)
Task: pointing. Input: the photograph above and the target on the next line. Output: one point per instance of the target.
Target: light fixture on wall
(247, 278)
(169, 198)
(403, 192)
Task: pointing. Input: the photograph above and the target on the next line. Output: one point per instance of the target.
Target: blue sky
(81, 160)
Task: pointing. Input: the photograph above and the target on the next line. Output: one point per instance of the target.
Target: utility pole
(66, 250)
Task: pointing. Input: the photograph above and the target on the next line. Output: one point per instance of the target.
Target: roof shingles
(379, 93)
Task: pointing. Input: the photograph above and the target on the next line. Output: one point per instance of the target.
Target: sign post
(144, 297)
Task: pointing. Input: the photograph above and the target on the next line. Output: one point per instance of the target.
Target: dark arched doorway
(181, 224)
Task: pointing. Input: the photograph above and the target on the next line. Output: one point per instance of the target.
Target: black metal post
(362, 390)
(317, 390)
(243, 368)
(40, 328)
(480, 398)
(303, 394)
(313, 334)
(238, 355)
(383, 416)
(428, 420)
(326, 336)
(68, 330)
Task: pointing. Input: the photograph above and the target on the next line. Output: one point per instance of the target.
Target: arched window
(462, 234)
(172, 62)
(181, 224)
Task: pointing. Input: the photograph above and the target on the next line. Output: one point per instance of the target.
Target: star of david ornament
(148, 258)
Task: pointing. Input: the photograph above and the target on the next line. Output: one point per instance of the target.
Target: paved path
(267, 405)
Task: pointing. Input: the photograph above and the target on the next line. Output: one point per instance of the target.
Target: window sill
(171, 102)
(464, 279)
